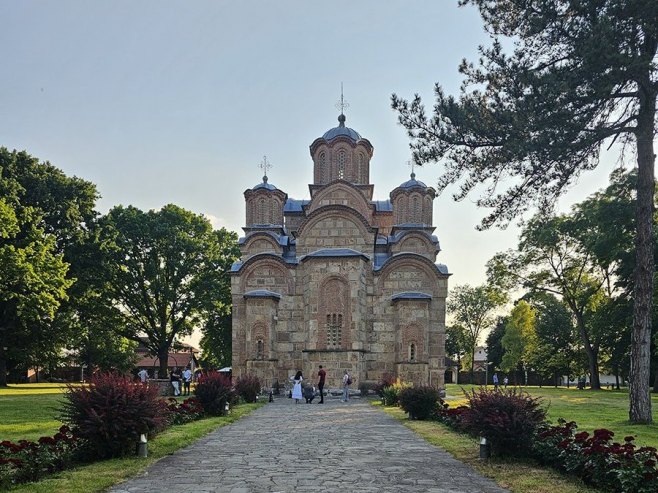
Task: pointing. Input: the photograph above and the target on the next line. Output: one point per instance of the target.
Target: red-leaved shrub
(214, 390)
(112, 412)
(507, 418)
(248, 387)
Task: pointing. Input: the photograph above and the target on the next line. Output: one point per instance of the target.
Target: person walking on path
(174, 378)
(347, 381)
(143, 375)
(297, 387)
(495, 381)
(187, 380)
(322, 375)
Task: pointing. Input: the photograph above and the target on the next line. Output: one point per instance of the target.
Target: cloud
(217, 222)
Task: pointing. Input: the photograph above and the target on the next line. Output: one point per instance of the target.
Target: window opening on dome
(262, 212)
(342, 159)
(415, 210)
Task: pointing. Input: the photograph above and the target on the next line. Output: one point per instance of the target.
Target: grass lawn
(589, 409)
(29, 412)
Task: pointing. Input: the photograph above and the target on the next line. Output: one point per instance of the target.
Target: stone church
(340, 280)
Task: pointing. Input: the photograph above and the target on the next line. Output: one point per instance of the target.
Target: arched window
(260, 349)
(262, 212)
(362, 169)
(322, 171)
(412, 351)
(334, 328)
(415, 210)
(342, 160)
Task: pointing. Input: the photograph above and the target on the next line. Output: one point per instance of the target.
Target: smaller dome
(265, 185)
(341, 130)
(413, 183)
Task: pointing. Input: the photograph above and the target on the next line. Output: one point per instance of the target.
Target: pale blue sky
(177, 102)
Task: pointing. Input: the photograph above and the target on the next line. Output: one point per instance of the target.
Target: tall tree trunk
(638, 379)
(163, 356)
(592, 354)
(3, 366)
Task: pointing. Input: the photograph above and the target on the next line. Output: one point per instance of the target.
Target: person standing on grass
(187, 380)
(143, 375)
(495, 381)
(347, 381)
(174, 378)
(297, 387)
(322, 375)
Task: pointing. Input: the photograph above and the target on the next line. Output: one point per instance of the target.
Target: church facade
(340, 280)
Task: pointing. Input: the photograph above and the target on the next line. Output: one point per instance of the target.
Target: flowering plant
(185, 412)
(30, 461)
(597, 459)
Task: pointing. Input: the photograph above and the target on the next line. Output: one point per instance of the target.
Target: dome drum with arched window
(341, 154)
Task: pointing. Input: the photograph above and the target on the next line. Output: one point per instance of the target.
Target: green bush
(214, 390)
(507, 418)
(391, 393)
(248, 387)
(112, 412)
(420, 402)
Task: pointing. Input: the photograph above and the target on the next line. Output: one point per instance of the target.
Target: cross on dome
(412, 164)
(265, 165)
(342, 105)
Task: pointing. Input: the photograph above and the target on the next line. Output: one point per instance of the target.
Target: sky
(160, 102)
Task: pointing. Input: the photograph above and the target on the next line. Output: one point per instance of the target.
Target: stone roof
(262, 293)
(335, 252)
(411, 295)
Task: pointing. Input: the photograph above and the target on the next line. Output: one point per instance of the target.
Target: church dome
(341, 130)
(264, 185)
(412, 183)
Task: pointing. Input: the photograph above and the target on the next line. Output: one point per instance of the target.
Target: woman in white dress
(297, 387)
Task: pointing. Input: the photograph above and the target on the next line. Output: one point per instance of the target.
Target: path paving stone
(334, 447)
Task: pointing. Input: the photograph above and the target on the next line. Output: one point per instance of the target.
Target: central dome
(341, 130)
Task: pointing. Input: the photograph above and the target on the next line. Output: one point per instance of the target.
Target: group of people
(176, 377)
(308, 393)
(496, 382)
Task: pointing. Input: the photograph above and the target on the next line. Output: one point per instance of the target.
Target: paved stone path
(288, 447)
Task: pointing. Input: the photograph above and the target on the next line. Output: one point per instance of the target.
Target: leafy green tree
(33, 284)
(169, 273)
(216, 342)
(456, 343)
(495, 350)
(474, 309)
(579, 74)
(605, 223)
(64, 207)
(556, 338)
(551, 259)
(520, 339)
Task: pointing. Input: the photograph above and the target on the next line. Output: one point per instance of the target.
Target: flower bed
(30, 461)
(597, 459)
(184, 412)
